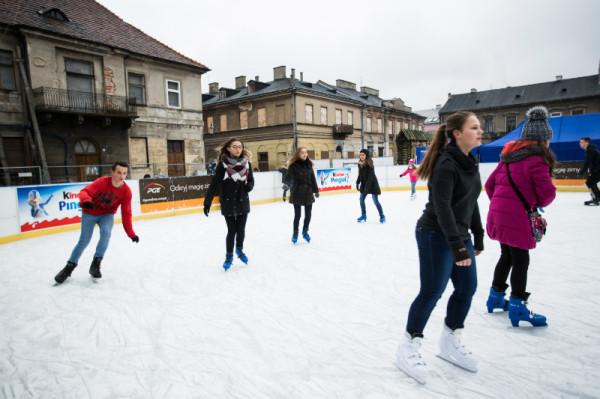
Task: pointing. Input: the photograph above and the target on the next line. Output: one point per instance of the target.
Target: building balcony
(48, 99)
(340, 131)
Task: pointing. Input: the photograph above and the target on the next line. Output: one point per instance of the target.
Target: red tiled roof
(90, 21)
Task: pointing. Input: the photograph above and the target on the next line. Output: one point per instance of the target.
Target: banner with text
(41, 207)
(333, 179)
(163, 194)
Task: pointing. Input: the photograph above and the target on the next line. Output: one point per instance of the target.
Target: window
(311, 154)
(350, 118)
(173, 94)
(369, 124)
(350, 154)
(379, 125)
(511, 122)
(262, 117)
(389, 127)
(397, 127)
(223, 123)
(279, 113)
(380, 150)
(80, 75)
(263, 161)
(324, 154)
(210, 125)
(7, 71)
(338, 116)
(323, 115)
(554, 114)
(577, 111)
(138, 151)
(488, 124)
(308, 113)
(137, 88)
(243, 120)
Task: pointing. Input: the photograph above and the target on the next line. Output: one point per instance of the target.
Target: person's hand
(461, 257)
(464, 263)
(357, 187)
(135, 239)
(477, 252)
(88, 205)
(206, 210)
(317, 194)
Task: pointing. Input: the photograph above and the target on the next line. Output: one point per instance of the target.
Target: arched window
(85, 147)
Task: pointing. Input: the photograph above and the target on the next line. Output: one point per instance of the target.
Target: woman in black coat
(232, 182)
(367, 184)
(303, 192)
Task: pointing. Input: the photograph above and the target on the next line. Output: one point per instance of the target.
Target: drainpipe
(294, 123)
(362, 127)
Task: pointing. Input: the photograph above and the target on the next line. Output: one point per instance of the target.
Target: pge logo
(154, 188)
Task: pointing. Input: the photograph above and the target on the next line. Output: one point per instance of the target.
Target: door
(176, 158)
(263, 161)
(87, 159)
(17, 155)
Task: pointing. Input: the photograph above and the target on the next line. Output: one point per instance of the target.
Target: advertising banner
(333, 179)
(41, 207)
(169, 193)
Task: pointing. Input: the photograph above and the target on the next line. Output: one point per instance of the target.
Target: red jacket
(106, 199)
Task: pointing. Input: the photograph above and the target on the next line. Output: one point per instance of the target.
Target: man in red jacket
(99, 202)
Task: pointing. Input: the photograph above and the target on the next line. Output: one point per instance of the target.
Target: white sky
(418, 50)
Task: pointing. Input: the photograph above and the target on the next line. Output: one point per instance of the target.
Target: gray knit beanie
(536, 127)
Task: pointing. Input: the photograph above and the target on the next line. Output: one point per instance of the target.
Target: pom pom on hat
(536, 126)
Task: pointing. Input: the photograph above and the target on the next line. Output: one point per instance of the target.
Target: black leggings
(236, 230)
(592, 183)
(516, 259)
(298, 213)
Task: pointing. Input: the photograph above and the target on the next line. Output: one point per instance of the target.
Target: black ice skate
(592, 203)
(95, 268)
(65, 272)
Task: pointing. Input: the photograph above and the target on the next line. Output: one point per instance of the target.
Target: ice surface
(318, 320)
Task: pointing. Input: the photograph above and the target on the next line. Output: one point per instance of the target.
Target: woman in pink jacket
(529, 162)
(411, 171)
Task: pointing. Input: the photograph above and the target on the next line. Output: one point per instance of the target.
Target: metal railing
(20, 175)
(51, 99)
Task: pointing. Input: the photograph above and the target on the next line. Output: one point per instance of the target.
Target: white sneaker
(454, 351)
(409, 360)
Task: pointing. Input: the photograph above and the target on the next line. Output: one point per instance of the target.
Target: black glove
(478, 243)
(357, 187)
(460, 253)
(88, 205)
(317, 194)
(206, 210)
(135, 239)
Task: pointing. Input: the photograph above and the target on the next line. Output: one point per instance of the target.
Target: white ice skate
(413, 197)
(454, 351)
(409, 360)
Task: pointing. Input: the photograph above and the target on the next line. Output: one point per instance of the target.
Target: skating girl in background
(411, 171)
(303, 191)
(527, 165)
(367, 184)
(232, 182)
(446, 251)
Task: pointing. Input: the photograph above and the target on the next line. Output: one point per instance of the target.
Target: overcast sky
(418, 50)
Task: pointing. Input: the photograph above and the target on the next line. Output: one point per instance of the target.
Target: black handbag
(537, 221)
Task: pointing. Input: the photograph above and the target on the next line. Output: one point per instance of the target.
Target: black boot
(95, 268)
(65, 272)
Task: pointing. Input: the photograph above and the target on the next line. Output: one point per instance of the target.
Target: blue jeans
(436, 268)
(413, 185)
(363, 207)
(105, 223)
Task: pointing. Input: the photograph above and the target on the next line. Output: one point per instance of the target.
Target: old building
(501, 110)
(432, 118)
(101, 90)
(275, 117)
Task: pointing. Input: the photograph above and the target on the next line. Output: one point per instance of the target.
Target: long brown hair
(368, 160)
(225, 152)
(296, 157)
(545, 150)
(444, 134)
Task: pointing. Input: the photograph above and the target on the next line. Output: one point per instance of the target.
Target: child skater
(411, 171)
(303, 191)
(232, 182)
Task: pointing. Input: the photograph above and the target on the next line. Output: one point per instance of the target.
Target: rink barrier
(267, 190)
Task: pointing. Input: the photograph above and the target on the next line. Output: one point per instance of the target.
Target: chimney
(344, 84)
(240, 82)
(279, 72)
(213, 88)
(293, 74)
(558, 78)
(256, 78)
(438, 106)
(302, 76)
(473, 90)
(449, 95)
(369, 91)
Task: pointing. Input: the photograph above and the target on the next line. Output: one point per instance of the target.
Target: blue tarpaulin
(565, 141)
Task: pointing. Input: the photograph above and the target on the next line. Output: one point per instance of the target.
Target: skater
(285, 180)
(446, 251)
(99, 202)
(525, 170)
(411, 171)
(591, 166)
(232, 182)
(303, 191)
(367, 184)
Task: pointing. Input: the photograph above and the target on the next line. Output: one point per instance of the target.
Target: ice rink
(318, 320)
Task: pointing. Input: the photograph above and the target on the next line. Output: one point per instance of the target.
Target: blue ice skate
(240, 254)
(294, 238)
(306, 236)
(496, 300)
(228, 261)
(382, 219)
(362, 219)
(517, 311)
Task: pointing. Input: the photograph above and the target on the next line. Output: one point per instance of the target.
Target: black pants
(236, 230)
(516, 259)
(298, 213)
(592, 183)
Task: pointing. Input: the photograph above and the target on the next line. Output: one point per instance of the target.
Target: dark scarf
(466, 162)
(236, 169)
